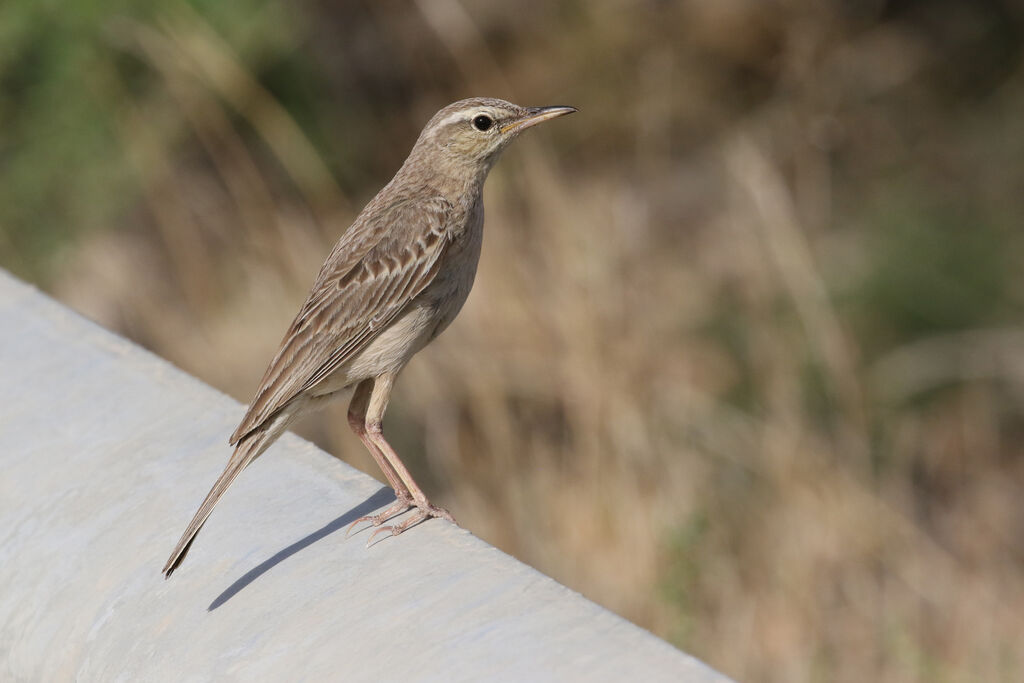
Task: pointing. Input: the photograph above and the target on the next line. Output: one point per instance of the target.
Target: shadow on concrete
(378, 499)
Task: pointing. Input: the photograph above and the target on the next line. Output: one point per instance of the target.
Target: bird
(392, 283)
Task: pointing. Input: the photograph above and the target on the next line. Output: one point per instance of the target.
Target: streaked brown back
(389, 255)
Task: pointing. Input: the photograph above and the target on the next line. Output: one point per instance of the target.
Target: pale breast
(424, 318)
(450, 289)
(391, 349)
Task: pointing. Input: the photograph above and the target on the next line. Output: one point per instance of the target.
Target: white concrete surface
(105, 452)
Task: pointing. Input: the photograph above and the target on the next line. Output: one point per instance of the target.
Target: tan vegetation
(744, 360)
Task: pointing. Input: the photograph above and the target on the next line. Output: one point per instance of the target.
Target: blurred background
(745, 357)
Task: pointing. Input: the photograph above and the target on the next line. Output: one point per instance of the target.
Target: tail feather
(246, 451)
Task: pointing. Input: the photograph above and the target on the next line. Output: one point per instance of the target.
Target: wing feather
(381, 264)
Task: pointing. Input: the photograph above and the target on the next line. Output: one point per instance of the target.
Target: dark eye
(482, 122)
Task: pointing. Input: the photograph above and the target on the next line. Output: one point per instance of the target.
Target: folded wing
(381, 264)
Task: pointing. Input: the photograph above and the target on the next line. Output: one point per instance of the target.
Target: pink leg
(357, 421)
(374, 433)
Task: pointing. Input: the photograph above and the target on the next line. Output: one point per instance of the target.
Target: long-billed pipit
(394, 281)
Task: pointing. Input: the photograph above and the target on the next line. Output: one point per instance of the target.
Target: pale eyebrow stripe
(462, 115)
(454, 116)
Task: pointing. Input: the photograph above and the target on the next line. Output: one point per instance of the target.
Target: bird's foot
(403, 503)
(425, 511)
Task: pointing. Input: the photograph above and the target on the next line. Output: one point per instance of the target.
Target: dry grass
(652, 394)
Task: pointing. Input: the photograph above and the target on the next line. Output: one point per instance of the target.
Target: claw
(425, 511)
(397, 508)
(365, 518)
(381, 530)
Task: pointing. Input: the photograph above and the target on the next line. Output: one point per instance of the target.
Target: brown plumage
(392, 283)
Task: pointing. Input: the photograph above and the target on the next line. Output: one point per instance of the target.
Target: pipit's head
(472, 133)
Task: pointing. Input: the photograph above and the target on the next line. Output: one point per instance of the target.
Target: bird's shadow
(378, 499)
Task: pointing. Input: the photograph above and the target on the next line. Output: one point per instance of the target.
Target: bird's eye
(482, 122)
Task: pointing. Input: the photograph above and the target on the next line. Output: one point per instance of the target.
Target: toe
(400, 506)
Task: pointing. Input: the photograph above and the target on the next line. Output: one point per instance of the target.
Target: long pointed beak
(535, 115)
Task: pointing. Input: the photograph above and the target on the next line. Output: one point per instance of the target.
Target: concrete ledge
(107, 450)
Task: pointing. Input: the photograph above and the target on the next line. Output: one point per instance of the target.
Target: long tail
(247, 450)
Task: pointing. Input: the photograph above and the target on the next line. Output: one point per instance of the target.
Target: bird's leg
(357, 421)
(374, 414)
